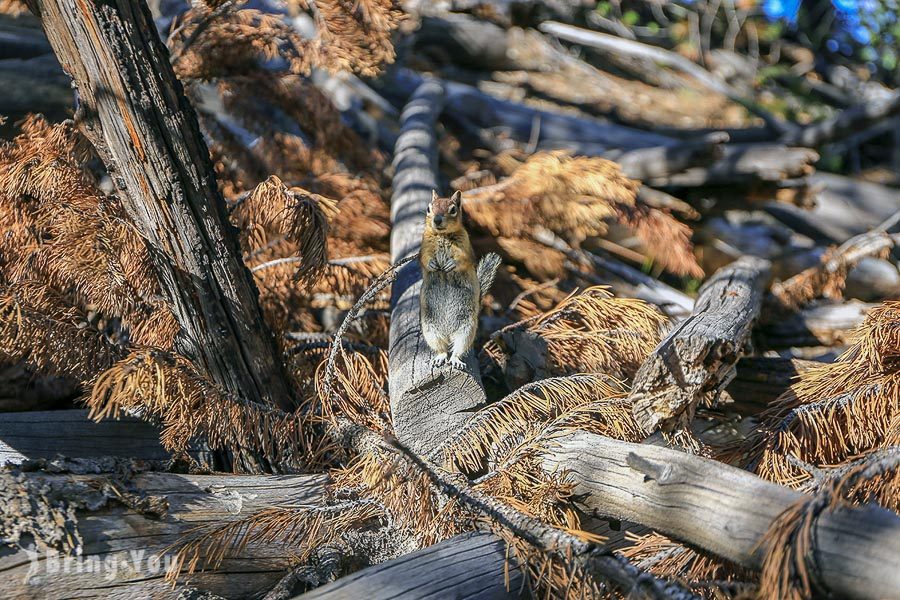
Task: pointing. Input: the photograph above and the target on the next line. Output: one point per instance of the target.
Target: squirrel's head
(445, 214)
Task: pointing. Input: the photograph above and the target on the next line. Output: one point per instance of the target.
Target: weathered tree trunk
(696, 360)
(727, 511)
(426, 402)
(133, 110)
(125, 526)
(469, 566)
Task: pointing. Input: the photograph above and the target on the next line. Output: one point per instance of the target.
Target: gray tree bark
(133, 109)
(727, 511)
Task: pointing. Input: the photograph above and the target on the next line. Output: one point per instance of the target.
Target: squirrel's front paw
(439, 360)
(456, 363)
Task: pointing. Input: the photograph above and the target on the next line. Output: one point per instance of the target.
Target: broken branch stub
(697, 359)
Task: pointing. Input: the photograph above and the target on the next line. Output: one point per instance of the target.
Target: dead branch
(602, 565)
(721, 509)
(696, 360)
(828, 278)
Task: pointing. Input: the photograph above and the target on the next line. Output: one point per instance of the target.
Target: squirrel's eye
(452, 211)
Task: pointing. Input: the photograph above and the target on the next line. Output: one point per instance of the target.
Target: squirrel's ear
(456, 198)
(434, 195)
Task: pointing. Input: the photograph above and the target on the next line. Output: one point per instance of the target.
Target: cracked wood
(716, 507)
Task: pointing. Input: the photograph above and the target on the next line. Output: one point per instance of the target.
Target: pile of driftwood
(780, 267)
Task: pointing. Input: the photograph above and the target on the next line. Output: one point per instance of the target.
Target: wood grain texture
(426, 403)
(466, 567)
(726, 511)
(696, 360)
(133, 110)
(45, 434)
(122, 541)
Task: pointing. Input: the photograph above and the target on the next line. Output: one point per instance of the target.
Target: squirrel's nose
(438, 219)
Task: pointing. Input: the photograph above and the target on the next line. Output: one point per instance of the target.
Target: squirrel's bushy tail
(487, 270)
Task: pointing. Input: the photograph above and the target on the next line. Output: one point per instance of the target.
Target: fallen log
(426, 402)
(727, 511)
(525, 123)
(696, 360)
(745, 163)
(123, 526)
(473, 566)
(70, 433)
(134, 112)
(650, 164)
(848, 207)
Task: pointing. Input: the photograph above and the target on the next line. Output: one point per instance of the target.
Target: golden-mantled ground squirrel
(452, 286)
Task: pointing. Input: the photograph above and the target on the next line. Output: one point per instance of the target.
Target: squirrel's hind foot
(457, 363)
(439, 360)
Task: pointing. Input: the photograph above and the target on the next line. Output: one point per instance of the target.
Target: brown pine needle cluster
(64, 236)
(788, 569)
(576, 197)
(211, 41)
(166, 388)
(856, 400)
(536, 412)
(590, 332)
(301, 529)
(13, 8)
(36, 324)
(275, 215)
(667, 558)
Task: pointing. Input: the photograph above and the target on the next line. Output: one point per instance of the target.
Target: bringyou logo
(121, 565)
